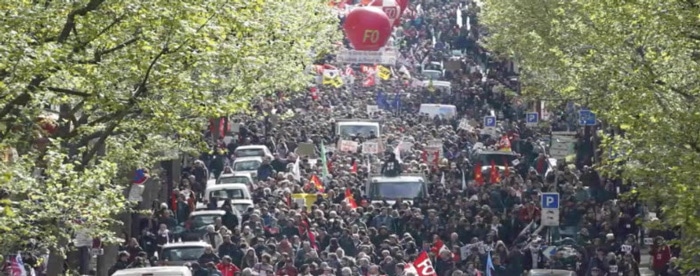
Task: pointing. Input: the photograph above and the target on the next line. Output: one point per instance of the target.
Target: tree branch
(139, 91)
(22, 99)
(70, 19)
(116, 21)
(69, 92)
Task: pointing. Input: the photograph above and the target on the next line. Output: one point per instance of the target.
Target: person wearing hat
(122, 263)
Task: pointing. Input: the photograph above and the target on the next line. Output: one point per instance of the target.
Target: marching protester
(430, 167)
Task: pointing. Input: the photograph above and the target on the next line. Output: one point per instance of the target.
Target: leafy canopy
(128, 80)
(635, 63)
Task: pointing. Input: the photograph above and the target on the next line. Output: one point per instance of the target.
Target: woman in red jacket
(661, 255)
(226, 267)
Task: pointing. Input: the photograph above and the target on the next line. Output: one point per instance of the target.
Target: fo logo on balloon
(367, 28)
(371, 35)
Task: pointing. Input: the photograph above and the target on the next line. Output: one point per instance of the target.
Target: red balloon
(367, 28)
(391, 8)
(403, 4)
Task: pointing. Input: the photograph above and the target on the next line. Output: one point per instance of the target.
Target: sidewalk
(645, 262)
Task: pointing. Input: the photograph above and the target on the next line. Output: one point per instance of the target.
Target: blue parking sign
(550, 200)
(586, 118)
(490, 121)
(532, 118)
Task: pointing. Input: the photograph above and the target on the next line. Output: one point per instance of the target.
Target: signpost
(386, 56)
(550, 209)
(490, 121)
(532, 118)
(586, 118)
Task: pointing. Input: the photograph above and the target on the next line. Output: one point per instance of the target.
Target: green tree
(128, 80)
(632, 62)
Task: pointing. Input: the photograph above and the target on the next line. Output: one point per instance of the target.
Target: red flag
(504, 143)
(354, 167)
(370, 80)
(350, 198)
(477, 175)
(312, 239)
(349, 71)
(314, 93)
(423, 265)
(317, 183)
(437, 246)
(494, 177)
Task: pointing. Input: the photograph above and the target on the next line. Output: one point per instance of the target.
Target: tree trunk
(55, 265)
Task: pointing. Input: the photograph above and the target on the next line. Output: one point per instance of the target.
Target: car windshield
(227, 194)
(179, 254)
(499, 159)
(396, 190)
(200, 221)
(246, 165)
(546, 272)
(249, 152)
(241, 207)
(233, 179)
(431, 74)
(352, 130)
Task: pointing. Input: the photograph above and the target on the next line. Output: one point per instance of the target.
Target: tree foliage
(128, 80)
(635, 64)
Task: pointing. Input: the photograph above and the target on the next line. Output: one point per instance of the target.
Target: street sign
(387, 56)
(532, 118)
(586, 118)
(490, 121)
(550, 200)
(550, 217)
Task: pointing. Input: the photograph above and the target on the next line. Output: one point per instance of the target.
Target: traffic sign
(490, 121)
(550, 200)
(550, 217)
(586, 118)
(532, 118)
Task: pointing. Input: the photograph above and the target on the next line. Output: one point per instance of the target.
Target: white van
(155, 271)
(442, 110)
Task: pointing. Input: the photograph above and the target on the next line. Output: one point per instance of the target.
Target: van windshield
(396, 190)
(352, 130)
(499, 159)
(178, 254)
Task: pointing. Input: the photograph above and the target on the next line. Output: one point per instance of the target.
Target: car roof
(146, 270)
(235, 174)
(242, 201)
(404, 178)
(208, 212)
(186, 244)
(231, 186)
(251, 147)
(248, 158)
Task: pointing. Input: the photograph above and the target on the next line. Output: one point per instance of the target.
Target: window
(251, 165)
(499, 159)
(242, 208)
(228, 194)
(177, 254)
(396, 190)
(352, 130)
(249, 152)
(201, 221)
(233, 180)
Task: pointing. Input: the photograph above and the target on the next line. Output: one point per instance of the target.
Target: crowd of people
(472, 223)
